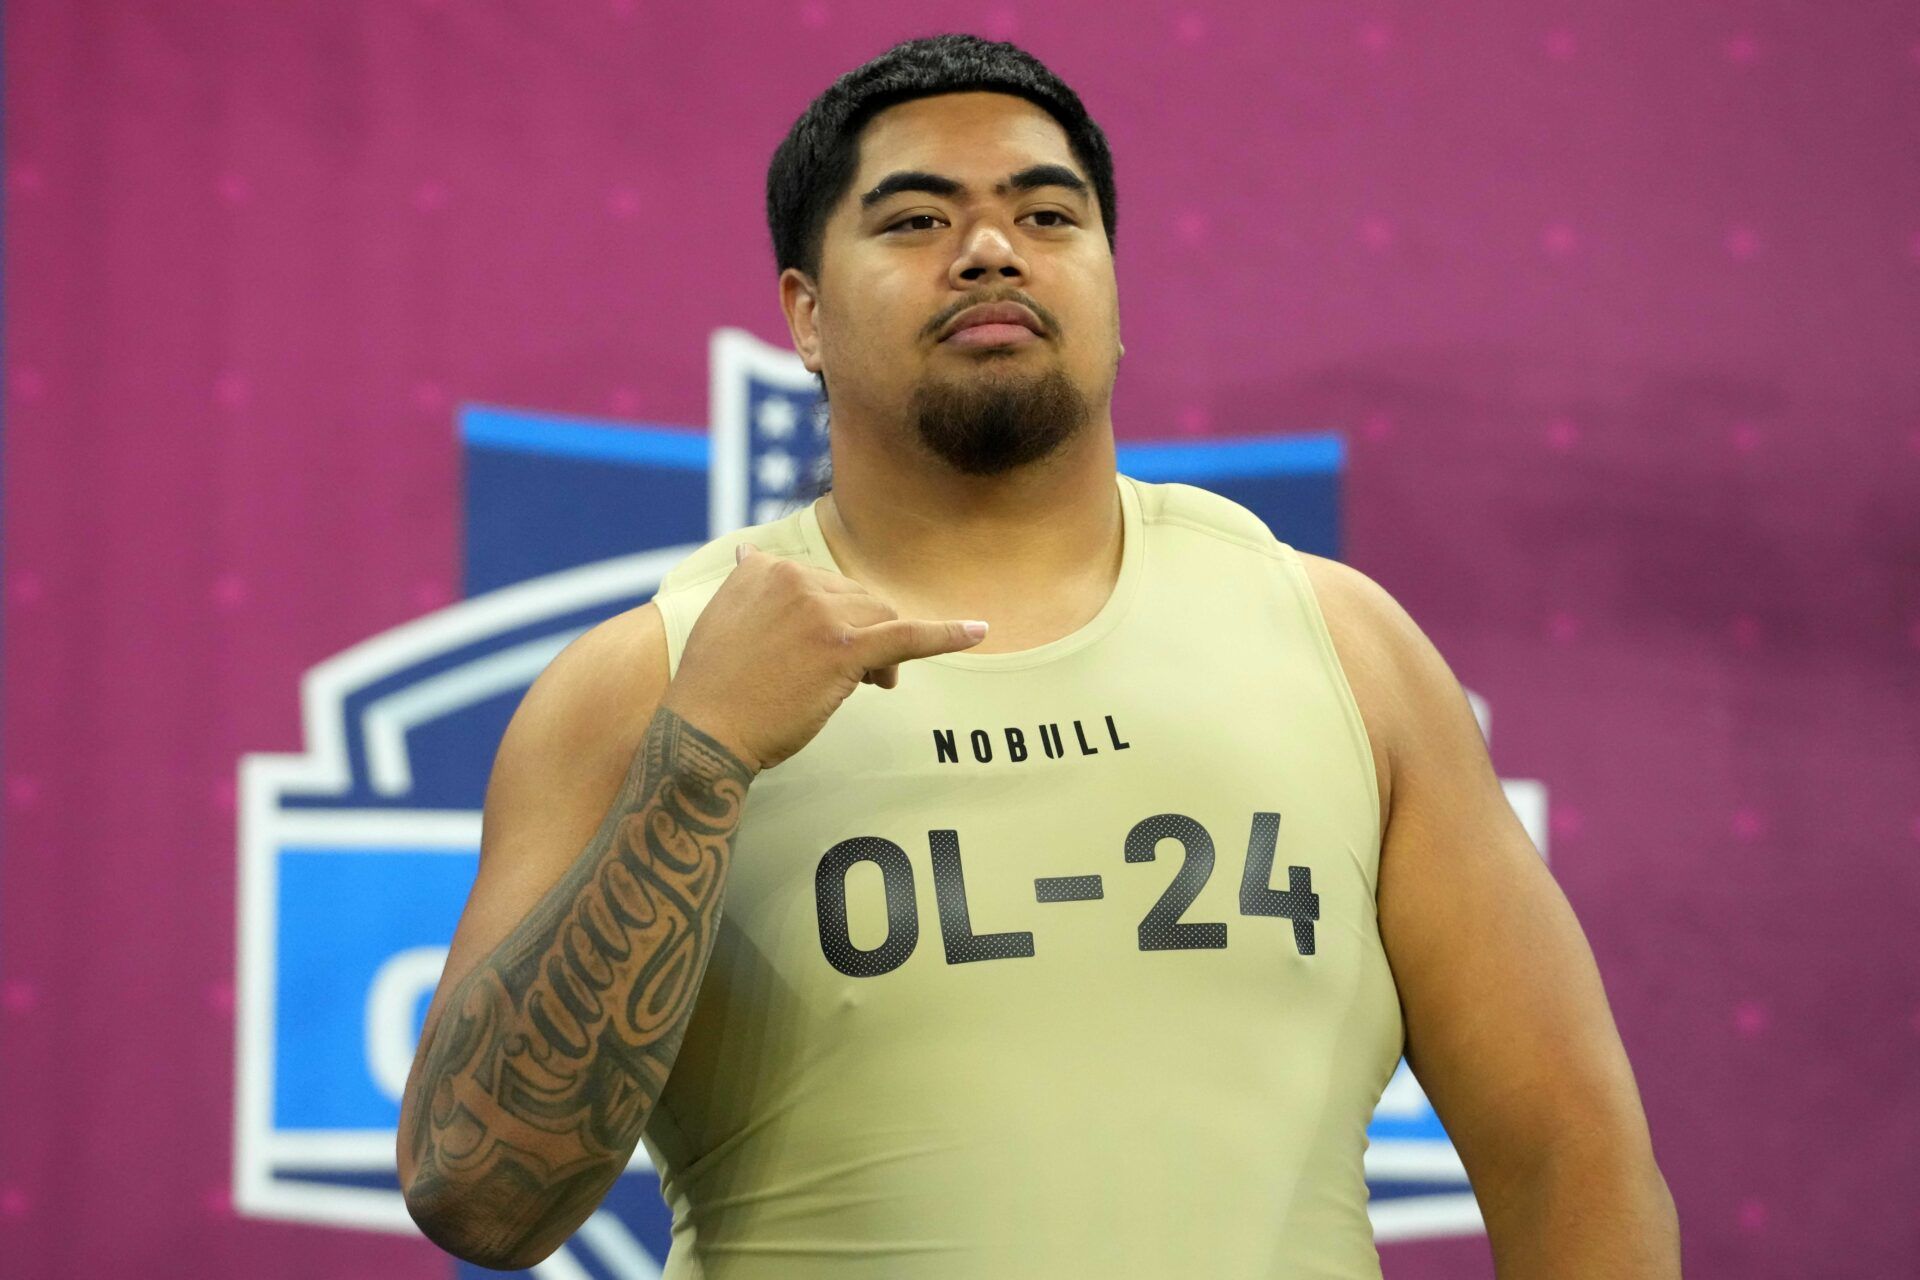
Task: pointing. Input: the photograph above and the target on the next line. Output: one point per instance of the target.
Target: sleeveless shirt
(1053, 963)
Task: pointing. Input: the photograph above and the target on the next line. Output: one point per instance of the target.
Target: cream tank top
(1055, 963)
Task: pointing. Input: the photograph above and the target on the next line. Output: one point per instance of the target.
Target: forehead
(968, 136)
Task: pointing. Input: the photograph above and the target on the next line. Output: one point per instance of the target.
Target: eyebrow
(1028, 179)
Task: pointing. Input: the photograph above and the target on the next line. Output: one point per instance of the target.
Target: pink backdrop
(1617, 306)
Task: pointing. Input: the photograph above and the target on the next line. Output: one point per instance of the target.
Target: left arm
(1507, 1023)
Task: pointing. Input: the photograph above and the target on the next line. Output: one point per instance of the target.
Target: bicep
(1507, 1023)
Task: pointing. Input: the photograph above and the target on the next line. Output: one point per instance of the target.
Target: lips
(993, 313)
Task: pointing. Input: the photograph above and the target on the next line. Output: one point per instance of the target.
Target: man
(1083, 949)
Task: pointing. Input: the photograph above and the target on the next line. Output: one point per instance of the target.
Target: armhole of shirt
(1356, 724)
(676, 637)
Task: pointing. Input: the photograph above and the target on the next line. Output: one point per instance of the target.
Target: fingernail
(740, 553)
(974, 630)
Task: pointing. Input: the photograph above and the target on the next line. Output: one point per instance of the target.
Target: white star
(776, 470)
(776, 417)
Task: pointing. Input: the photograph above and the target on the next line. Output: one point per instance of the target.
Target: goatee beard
(985, 425)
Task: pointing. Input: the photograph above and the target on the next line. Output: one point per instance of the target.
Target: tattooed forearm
(538, 1079)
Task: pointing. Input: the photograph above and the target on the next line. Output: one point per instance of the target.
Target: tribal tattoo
(551, 1054)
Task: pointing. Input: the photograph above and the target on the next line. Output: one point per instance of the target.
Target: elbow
(456, 1226)
(1643, 1187)
(1666, 1214)
(1654, 1221)
(1629, 1192)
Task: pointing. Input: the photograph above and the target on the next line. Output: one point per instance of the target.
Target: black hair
(814, 166)
(812, 169)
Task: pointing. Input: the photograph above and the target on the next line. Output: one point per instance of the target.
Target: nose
(986, 255)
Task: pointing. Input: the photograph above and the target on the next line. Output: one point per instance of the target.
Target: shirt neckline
(1119, 600)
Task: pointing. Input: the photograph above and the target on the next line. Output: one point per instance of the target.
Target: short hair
(813, 168)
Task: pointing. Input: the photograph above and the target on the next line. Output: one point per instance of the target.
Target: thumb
(740, 551)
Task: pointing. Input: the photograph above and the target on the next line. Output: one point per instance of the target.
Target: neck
(924, 536)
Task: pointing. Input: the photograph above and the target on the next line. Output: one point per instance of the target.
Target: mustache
(942, 320)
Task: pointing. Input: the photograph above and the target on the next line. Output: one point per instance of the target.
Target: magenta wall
(1618, 307)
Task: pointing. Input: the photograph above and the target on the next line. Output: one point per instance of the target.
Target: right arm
(573, 971)
(532, 1085)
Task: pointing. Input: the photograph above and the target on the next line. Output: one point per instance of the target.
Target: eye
(1064, 220)
(917, 217)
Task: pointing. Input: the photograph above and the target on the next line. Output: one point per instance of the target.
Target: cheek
(1096, 310)
(1093, 343)
(868, 349)
(870, 334)
(854, 340)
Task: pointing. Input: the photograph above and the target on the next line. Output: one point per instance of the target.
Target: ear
(800, 302)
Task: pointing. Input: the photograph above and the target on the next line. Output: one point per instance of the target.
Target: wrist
(711, 724)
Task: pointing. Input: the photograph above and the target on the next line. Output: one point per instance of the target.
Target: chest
(1159, 855)
(1018, 825)
(1018, 620)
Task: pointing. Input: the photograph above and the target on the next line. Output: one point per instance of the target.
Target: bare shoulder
(569, 743)
(1367, 626)
(609, 674)
(630, 648)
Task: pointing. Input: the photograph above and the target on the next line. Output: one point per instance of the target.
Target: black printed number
(1297, 902)
(1162, 930)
